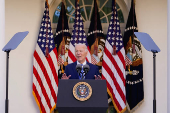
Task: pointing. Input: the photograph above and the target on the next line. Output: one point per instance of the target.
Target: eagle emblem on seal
(82, 91)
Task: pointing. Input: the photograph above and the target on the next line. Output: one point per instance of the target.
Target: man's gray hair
(81, 44)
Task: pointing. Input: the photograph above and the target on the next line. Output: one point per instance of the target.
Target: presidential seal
(82, 91)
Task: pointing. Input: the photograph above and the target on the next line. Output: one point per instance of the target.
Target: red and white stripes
(45, 79)
(113, 71)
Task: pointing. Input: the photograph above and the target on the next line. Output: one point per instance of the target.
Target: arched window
(86, 8)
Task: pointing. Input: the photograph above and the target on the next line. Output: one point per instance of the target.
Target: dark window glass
(107, 9)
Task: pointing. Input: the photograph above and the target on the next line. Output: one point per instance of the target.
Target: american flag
(78, 36)
(45, 68)
(113, 65)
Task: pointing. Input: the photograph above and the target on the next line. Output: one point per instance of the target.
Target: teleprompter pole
(154, 81)
(7, 65)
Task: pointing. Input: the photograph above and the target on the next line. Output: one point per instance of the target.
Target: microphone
(78, 68)
(86, 68)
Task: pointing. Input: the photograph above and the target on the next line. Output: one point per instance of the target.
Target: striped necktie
(82, 72)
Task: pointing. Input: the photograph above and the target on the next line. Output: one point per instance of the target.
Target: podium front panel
(67, 103)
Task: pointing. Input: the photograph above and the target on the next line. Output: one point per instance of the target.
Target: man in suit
(70, 69)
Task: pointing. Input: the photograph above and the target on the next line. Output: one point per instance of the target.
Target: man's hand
(64, 76)
(98, 77)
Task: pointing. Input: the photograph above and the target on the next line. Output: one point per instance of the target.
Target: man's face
(81, 53)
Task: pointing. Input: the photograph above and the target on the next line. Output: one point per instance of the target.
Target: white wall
(22, 15)
(168, 60)
(2, 56)
(152, 19)
(25, 15)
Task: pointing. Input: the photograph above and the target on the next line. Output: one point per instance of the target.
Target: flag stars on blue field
(44, 35)
(75, 39)
(78, 34)
(114, 34)
(39, 40)
(79, 39)
(43, 40)
(117, 38)
(108, 38)
(51, 46)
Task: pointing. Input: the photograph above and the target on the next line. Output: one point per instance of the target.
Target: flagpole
(47, 49)
(47, 3)
(95, 29)
(76, 19)
(114, 46)
(95, 24)
(133, 45)
(63, 41)
(62, 7)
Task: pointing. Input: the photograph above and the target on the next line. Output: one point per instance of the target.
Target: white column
(168, 63)
(2, 57)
